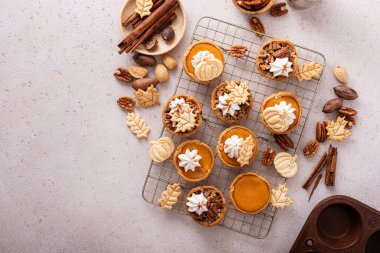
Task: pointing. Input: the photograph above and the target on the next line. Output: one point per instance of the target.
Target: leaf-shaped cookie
(336, 130)
(309, 70)
(279, 198)
(238, 93)
(143, 7)
(137, 125)
(246, 151)
(170, 196)
(147, 98)
(185, 120)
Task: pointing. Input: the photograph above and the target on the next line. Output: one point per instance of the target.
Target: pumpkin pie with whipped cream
(250, 193)
(206, 205)
(277, 60)
(237, 146)
(193, 160)
(204, 62)
(182, 115)
(232, 101)
(281, 112)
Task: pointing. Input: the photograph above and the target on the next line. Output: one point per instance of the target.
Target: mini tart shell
(232, 189)
(218, 112)
(207, 162)
(187, 54)
(269, 74)
(264, 9)
(279, 96)
(199, 116)
(203, 188)
(228, 132)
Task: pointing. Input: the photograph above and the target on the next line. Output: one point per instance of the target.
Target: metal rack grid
(225, 35)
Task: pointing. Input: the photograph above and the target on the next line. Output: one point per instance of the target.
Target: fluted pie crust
(253, 12)
(274, 99)
(193, 50)
(242, 132)
(250, 193)
(207, 161)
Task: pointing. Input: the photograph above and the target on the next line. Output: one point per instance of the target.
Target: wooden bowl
(179, 26)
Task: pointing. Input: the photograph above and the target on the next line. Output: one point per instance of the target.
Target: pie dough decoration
(178, 104)
(184, 121)
(279, 198)
(246, 151)
(137, 125)
(285, 164)
(147, 98)
(197, 203)
(227, 105)
(189, 160)
(276, 119)
(143, 7)
(170, 196)
(206, 66)
(239, 93)
(161, 149)
(337, 130)
(287, 110)
(281, 66)
(232, 146)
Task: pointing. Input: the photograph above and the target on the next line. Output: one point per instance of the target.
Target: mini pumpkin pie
(182, 115)
(193, 160)
(231, 101)
(281, 112)
(206, 205)
(204, 62)
(277, 60)
(237, 146)
(253, 6)
(250, 193)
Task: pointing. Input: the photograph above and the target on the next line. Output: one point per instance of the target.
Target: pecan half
(284, 141)
(321, 132)
(281, 53)
(123, 75)
(126, 103)
(351, 120)
(252, 2)
(311, 148)
(268, 156)
(237, 51)
(345, 111)
(278, 9)
(257, 26)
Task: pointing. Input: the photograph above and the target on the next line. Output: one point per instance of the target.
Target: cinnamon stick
(318, 168)
(136, 16)
(331, 166)
(138, 21)
(150, 21)
(166, 24)
(315, 185)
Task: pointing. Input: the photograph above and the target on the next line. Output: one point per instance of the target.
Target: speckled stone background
(71, 172)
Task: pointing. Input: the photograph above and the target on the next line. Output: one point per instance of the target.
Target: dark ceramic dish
(340, 224)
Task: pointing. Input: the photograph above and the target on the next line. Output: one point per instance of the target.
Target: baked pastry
(232, 101)
(253, 6)
(193, 160)
(204, 62)
(206, 205)
(281, 112)
(237, 146)
(277, 60)
(182, 115)
(250, 193)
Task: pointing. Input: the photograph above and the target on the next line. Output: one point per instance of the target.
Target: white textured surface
(71, 172)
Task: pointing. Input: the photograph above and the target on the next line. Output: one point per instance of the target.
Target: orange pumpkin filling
(202, 46)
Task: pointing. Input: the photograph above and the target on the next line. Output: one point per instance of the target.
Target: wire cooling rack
(225, 35)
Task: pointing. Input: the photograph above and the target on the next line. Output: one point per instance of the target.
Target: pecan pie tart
(281, 112)
(250, 193)
(231, 101)
(182, 115)
(204, 62)
(253, 6)
(206, 205)
(237, 146)
(193, 160)
(277, 60)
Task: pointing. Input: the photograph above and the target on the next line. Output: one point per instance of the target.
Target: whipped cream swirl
(232, 146)
(178, 104)
(197, 203)
(281, 66)
(202, 56)
(227, 105)
(287, 110)
(190, 160)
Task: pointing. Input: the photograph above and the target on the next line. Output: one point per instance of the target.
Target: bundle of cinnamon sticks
(163, 14)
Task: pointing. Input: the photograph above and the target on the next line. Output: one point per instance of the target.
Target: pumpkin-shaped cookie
(275, 119)
(285, 164)
(161, 149)
(208, 70)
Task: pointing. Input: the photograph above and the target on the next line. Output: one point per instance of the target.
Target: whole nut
(169, 61)
(144, 83)
(144, 60)
(137, 72)
(268, 156)
(321, 132)
(332, 105)
(168, 33)
(161, 73)
(346, 92)
(150, 43)
(126, 103)
(340, 74)
(311, 148)
(345, 111)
